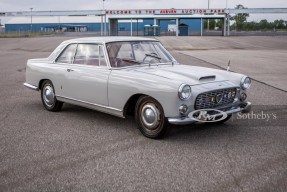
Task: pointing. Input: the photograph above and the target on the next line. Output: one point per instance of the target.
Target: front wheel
(48, 97)
(150, 118)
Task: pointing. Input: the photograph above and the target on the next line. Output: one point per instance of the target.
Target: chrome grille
(210, 100)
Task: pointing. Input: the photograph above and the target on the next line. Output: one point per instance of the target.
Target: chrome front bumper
(31, 86)
(186, 120)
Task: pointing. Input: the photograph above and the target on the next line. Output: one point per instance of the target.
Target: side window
(90, 54)
(102, 59)
(67, 55)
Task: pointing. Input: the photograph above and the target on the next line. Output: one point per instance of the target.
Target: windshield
(123, 54)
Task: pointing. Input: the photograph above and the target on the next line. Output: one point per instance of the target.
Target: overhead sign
(165, 11)
(53, 13)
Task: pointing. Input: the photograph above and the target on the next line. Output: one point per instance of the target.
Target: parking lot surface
(79, 149)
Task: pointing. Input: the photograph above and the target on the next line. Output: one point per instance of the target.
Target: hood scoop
(207, 78)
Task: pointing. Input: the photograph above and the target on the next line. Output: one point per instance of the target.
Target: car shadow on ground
(128, 124)
(193, 131)
(177, 132)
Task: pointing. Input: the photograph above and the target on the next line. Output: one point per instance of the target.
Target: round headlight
(245, 82)
(184, 92)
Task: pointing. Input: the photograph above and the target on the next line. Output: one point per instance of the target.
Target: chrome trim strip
(187, 120)
(35, 88)
(247, 108)
(101, 108)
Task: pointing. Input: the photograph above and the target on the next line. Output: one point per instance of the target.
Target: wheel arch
(41, 83)
(130, 105)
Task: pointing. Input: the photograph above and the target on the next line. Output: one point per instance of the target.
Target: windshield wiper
(154, 55)
(131, 60)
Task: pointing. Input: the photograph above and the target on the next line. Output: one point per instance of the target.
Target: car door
(60, 66)
(86, 78)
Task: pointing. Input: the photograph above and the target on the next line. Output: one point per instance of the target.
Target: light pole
(31, 20)
(104, 18)
(208, 18)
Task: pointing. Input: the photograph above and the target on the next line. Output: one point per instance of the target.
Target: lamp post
(31, 20)
(208, 18)
(228, 20)
(104, 18)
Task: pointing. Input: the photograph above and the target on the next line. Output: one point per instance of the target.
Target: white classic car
(136, 76)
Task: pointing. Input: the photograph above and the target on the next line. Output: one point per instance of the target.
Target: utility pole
(31, 20)
(105, 19)
(208, 19)
(228, 20)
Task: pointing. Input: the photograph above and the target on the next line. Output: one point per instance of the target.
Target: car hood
(187, 74)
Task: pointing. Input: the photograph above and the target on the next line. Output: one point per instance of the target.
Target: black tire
(48, 97)
(150, 118)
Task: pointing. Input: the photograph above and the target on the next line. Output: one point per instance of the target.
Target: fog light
(243, 96)
(183, 109)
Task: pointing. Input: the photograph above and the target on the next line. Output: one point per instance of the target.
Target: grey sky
(20, 5)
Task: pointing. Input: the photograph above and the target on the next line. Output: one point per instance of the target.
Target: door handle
(70, 70)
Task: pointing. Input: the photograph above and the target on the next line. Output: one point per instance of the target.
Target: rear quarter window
(67, 55)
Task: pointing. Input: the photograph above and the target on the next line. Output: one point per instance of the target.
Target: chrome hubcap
(150, 116)
(48, 95)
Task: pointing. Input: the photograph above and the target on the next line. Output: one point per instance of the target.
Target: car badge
(219, 98)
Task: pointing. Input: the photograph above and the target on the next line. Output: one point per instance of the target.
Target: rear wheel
(48, 97)
(150, 118)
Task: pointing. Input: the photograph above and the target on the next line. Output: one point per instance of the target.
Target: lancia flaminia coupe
(139, 77)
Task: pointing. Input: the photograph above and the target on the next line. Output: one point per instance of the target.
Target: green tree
(240, 18)
(219, 23)
(279, 24)
(264, 25)
(212, 24)
(251, 26)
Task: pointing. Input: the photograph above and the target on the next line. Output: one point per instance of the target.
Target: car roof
(107, 39)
